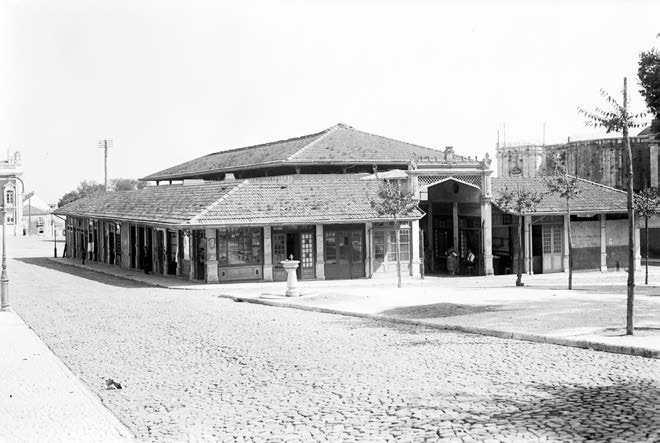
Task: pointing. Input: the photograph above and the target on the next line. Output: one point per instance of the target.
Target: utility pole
(543, 133)
(105, 144)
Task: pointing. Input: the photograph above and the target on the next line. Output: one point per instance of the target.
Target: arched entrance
(453, 226)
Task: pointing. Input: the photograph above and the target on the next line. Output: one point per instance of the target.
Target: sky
(168, 81)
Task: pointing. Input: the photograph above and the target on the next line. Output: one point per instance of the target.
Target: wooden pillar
(211, 258)
(125, 233)
(178, 255)
(191, 274)
(429, 236)
(268, 254)
(603, 242)
(487, 232)
(320, 253)
(455, 223)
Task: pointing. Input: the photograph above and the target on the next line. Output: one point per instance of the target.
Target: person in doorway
(146, 259)
(64, 252)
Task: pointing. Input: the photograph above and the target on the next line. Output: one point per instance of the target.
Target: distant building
(12, 187)
(602, 161)
(38, 218)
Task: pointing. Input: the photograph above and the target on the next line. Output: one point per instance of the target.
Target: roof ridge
(206, 210)
(244, 148)
(392, 139)
(322, 135)
(598, 184)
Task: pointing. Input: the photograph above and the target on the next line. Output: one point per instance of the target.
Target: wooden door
(552, 248)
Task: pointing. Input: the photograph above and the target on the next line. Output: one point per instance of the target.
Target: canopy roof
(292, 199)
(593, 198)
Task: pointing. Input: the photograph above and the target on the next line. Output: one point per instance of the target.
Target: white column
(415, 248)
(565, 249)
(527, 258)
(487, 232)
(638, 255)
(603, 242)
(320, 253)
(268, 254)
(653, 160)
(368, 255)
(211, 258)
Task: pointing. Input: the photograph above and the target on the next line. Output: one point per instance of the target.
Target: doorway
(344, 253)
(199, 251)
(296, 244)
(552, 248)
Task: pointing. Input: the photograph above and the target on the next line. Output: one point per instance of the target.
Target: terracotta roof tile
(173, 204)
(293, 199)
(593, 197)
(340, 145)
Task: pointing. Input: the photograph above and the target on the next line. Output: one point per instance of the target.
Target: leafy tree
(520, 202)
(648, 74)
(647, 203)
(395, 202)
(85, 188)
(126, 184)
(566, 187)
(619, 119)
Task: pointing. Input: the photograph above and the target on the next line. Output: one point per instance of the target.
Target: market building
(237, 214)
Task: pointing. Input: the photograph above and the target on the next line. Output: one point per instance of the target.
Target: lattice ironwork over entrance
(429, 180)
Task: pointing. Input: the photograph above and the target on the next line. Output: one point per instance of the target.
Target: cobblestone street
(195, 367)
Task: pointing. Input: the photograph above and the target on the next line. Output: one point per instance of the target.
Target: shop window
(239, 246)
(385, 245)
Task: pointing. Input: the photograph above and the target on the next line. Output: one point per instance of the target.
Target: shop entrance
(344, 252)
(297, 243)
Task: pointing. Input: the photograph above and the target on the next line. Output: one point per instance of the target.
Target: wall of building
(616, 241)
(586, 244)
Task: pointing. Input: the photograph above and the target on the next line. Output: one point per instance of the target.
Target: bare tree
(395, 202)
(619, 119)
(647, 203)
(520, 202)
(566, 187)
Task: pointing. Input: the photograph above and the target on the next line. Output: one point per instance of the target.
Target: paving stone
(200, 368)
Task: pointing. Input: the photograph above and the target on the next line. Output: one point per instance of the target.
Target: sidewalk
(41, 400)
(592, 315)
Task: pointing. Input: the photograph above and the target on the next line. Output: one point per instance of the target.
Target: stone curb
(94, 401)
(536, 338)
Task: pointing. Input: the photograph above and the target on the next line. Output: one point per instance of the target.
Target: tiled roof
(293, 199)
(340, 145)
(174, 204)
(593, 197)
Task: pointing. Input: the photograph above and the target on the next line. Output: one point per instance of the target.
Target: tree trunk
(398, 253)
(570, 245)
(646, 255)
(520, 252)
(631, 218)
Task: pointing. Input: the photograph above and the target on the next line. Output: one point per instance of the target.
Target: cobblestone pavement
(195, 367)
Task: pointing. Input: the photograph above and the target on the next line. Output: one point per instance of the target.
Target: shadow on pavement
(439, 310)
(640, 289)
(623, 411)
(97, 276)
